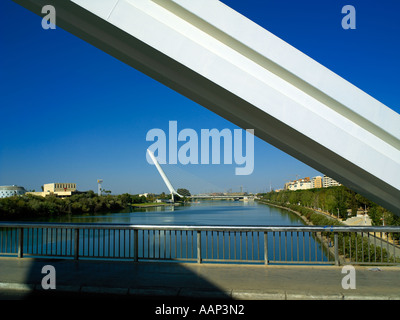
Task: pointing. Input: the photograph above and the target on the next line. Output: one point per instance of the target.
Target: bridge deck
(184, 280)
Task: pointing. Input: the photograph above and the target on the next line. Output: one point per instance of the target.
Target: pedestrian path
(192, 281)
(358, 221)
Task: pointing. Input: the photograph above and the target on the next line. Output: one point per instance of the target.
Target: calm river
(154, 244)
(211, 212)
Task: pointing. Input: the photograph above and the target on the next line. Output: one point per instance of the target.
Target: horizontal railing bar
(231, 260)
(301, 262)
(167, 259)
(282, 228)
(316, 262)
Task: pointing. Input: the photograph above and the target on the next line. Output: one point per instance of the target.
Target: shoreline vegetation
(310, 218)
(323, 206)
(31, 206)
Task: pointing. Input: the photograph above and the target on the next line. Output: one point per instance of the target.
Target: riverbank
(309, 216)
(339, 202)
(363, 220)
(313, 217)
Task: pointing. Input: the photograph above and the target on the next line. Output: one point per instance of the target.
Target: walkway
(185, 280)
(358, 221)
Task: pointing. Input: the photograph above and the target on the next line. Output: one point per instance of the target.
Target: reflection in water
(212, 212)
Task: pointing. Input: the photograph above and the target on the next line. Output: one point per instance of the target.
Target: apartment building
(329, 182)
(307, 183)
(317, 182)
(300, 184)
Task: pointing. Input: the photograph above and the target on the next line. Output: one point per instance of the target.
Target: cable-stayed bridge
(163, 176)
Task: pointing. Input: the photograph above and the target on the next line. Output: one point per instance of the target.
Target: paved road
(190, 280)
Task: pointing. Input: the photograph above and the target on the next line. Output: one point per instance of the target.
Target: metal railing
(218, 244)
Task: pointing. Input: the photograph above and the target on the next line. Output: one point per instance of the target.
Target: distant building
(300, 184)
(9, 191)
(61, 190)
(329, 182)
(316, 182)
(307, 183)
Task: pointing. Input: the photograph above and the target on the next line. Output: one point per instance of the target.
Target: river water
(211, 212)
(160, 244)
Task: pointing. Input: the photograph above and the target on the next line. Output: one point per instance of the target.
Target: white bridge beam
(225, 62)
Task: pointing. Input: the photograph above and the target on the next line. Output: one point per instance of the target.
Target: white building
(329, 182)
(315, 182)
(9, 191)
(300, 184)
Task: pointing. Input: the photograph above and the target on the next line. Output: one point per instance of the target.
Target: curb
(16, 286)
(258, 295)
(191, 293)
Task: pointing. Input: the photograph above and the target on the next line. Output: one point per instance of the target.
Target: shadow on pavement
(89, 279)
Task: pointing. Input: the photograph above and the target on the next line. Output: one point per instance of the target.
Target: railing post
(136, 245)
(336, 244)
(198, 246)
(21, 243)
(266, 248)
(76, 249)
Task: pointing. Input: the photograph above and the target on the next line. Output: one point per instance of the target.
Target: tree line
(31, 206)
(28, 206)
(336, 200)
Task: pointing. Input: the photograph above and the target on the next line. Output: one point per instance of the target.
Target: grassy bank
(308, 215)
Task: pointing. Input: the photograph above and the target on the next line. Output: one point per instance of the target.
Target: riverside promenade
(22, 278)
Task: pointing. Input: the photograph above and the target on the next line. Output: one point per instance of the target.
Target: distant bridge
(222, 197)
(200, 196)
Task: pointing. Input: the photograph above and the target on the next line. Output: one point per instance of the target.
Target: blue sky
(71, 113)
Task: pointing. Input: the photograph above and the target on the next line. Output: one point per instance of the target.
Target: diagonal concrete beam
(225, 62)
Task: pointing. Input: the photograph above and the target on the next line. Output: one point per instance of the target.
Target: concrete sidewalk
(192, 281)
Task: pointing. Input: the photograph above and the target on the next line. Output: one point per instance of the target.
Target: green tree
(184, 192)
(294, 197)
(306, 198)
